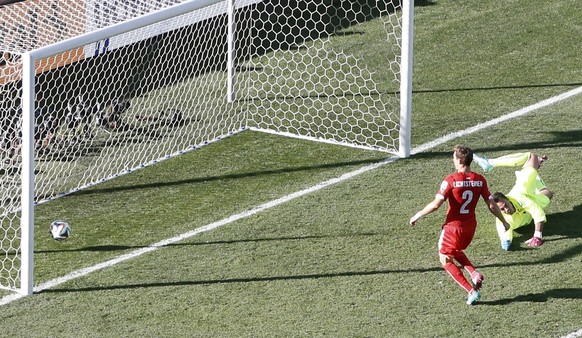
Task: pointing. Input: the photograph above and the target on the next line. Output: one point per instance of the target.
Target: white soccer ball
(60, 230)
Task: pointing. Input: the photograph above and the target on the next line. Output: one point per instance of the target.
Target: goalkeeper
(527, 199)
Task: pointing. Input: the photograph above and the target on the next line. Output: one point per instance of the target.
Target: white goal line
(136, 253)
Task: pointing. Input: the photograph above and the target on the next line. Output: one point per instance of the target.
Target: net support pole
(231, 52)
(27, 199)
(406, 78)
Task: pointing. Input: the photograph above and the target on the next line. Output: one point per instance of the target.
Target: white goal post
(93, 90)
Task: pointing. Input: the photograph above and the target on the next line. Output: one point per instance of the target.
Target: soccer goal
(92, 90)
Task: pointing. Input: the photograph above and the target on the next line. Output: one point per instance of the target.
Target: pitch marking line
(574, 334)
(136, 253)
(501, 119)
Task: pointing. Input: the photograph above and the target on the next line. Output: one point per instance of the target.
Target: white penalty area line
(575, 334)
(501, 119)
(136, 253)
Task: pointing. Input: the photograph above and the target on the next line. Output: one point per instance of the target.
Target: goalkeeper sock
(511, 160)
(458, 276)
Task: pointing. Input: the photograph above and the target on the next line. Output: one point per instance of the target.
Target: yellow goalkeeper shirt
(527, 208)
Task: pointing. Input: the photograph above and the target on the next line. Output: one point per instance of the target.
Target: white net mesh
(304, 80)
(109, 107)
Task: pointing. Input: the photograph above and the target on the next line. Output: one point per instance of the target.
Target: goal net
(92, 90)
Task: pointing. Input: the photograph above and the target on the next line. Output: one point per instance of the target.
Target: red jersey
(463, 191)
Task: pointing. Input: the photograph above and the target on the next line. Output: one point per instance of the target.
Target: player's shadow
(206, 179)
(93, 248)
(122, 247)
(564, 223)
(224, 281)
(524, 86)
(560, 139)
(566, 293)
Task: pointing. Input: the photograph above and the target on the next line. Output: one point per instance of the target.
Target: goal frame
(29, 72)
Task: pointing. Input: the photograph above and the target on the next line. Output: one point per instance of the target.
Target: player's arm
(494, 209)
(429, 208)
(537, 213)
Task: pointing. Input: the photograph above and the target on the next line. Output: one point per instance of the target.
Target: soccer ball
(60, 230)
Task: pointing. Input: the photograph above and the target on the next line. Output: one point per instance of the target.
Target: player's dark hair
(464, 153)
(497, 195)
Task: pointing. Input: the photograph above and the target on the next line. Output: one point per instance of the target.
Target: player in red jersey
(462, 190)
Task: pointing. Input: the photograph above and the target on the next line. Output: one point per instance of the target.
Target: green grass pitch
(340, 261)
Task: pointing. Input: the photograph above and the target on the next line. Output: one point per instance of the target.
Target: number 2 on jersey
(467, 197)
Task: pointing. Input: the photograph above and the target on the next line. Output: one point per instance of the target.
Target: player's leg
(511, 160)
(476, 277)
(473, 294)
(535, 186)
(525, 159)
(542, 189)
(448, 243)
(535, 161)
(529, 182)
(483, 162)
(455, 272)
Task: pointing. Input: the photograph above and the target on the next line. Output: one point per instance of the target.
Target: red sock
(458, 276)
(465, 262)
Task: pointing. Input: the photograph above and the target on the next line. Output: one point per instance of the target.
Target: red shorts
(455, 238)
